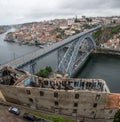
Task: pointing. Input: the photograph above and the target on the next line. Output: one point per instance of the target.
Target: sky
(22, 11)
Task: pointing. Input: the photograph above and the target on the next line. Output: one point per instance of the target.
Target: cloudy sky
(20, 11)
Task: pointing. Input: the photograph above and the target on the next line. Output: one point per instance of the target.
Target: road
(6, 116)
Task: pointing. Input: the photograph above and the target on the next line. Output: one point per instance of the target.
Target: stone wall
(107, 51)
(82, 105)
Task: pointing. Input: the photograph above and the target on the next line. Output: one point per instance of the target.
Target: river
(10, 51)
(106, 67)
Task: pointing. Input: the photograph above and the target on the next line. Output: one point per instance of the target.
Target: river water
(101, 66)
(10, 51)
(106, 67)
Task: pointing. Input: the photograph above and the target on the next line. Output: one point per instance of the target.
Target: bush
(44, 72)
(98, 33)
(86, 26)
(48, 68)
(115, 29)
(117, 116)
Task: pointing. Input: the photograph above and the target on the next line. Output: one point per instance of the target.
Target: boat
(41, 46)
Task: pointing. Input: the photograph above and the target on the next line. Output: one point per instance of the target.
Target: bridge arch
(82, 46)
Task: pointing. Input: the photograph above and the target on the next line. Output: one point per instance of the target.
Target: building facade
(84, 100)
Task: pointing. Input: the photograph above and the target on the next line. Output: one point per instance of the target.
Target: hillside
(105, 33)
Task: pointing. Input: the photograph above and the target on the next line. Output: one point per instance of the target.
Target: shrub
(117, 116)
(44, 72)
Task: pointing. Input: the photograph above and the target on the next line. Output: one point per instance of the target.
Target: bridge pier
(32, 67)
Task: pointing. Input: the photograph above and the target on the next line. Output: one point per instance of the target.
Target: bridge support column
(33, 67)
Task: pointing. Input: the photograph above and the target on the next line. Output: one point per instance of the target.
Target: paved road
(6, 116)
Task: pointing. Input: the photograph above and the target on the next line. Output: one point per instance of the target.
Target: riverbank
(107, 51)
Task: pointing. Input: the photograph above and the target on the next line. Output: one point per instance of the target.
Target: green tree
(115, 29)
(48, 68)
(44, 72)
(77, 20)
(98, 33)
(86, 26)
(117, 116)
(114, 22)
(89, 19)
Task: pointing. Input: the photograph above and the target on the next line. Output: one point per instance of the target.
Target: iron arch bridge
(79, 48)
(76, 54)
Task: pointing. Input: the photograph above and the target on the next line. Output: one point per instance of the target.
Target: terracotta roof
(113, 101)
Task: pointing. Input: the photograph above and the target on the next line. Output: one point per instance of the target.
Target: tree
(77, 20)
(89, 19)
(44, 72)
(117, 116)
(86, 26)
(48, 68)
(115, 29)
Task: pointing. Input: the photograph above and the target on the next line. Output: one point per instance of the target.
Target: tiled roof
(113, 101)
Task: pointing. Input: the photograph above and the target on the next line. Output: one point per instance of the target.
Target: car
(29, 116)
(41, 120)
(14, 110)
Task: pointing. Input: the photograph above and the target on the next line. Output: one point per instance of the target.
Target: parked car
(41, 120)
(14, 110)
(29, 116)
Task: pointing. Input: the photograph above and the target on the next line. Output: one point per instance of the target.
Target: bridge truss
(76, 53)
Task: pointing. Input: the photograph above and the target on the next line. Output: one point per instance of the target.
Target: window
(41, 93)
(92, 113)
(95, 105)
(56, 94)
(76, 96)
(45, 82)
(74, 110)
(110, 112)
(97, 97)
(63, 83)
(28, 92)
(31, 100)
(56, 103)
(75, 104)
(57, 111)
(76, 84)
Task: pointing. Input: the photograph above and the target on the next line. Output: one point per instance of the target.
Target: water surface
(106, 67)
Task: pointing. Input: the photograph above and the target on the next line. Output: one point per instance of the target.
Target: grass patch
(51, 118)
